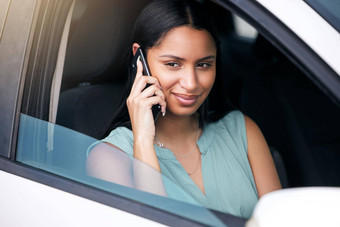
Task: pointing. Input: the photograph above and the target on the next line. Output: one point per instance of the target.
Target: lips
(186, 100)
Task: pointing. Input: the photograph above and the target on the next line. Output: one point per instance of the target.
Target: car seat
(94, 77)
(312, 126)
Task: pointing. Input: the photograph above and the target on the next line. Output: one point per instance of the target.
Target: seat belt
(58, 73)
(56, 81)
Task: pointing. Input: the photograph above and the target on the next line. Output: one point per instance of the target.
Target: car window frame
(15, 47)
(322, 10)
(285, 40)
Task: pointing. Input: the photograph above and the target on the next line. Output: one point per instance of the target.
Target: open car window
(62, 151)
(260, 81)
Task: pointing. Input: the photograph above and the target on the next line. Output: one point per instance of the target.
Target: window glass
(63, 151)
(328, 9)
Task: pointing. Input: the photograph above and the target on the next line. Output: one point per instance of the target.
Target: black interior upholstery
(98, 41)
(88, 109)
(312, 127)
(296, 117)
(93, 77)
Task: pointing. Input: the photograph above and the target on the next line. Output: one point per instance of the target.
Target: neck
(172, 128)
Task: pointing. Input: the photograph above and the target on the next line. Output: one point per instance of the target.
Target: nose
(189, 80)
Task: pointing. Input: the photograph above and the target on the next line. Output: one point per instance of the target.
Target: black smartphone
(156, 109)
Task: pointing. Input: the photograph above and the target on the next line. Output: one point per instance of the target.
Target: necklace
(160, 144)
(196, 166)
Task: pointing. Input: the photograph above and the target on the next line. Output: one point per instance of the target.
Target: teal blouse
(228, 180)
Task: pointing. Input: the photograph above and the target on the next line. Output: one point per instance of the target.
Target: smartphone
(156, 109)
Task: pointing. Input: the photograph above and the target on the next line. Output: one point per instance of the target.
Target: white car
(61, 78)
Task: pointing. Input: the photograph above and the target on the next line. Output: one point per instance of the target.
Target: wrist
(144, 150)
(143, 141)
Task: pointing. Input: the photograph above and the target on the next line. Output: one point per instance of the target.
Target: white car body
(47, 206)
(303, 21)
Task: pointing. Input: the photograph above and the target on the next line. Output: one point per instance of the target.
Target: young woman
(215, 153)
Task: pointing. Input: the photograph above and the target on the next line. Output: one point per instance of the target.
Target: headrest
(98, 39)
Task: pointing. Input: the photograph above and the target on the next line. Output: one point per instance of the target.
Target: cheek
(207, 81)
(166, 80)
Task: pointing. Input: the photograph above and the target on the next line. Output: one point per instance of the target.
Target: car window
(62, 151)
(91, 86)
(328, 9)
(259, 80)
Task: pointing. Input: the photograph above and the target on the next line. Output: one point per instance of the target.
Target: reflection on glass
(64, 152)
(244, 29)
(125, 170)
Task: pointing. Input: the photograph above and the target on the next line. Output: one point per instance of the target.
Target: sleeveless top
(228, 180)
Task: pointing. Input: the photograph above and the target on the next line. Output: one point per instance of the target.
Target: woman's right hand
(140, 102)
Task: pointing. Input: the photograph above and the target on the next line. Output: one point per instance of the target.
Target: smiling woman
(185, 66)
(215, 153)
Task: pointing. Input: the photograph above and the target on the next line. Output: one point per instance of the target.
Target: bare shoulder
(255, 138)
(252, 128)
(257, 144)
(260, 159)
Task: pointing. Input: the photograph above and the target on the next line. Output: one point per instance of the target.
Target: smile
(186, 100)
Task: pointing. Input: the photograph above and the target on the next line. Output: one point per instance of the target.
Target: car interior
(299, 121)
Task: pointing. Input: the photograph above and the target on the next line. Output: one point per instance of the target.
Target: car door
(48, 160)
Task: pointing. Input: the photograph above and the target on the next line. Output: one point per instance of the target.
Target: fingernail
(163, 113)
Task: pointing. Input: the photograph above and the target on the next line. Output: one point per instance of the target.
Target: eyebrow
(182, 59)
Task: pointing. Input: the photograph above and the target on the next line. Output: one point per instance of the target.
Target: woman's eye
(204, 65)
(172, 64)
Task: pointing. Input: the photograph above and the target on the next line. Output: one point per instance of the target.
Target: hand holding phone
(146, 72)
